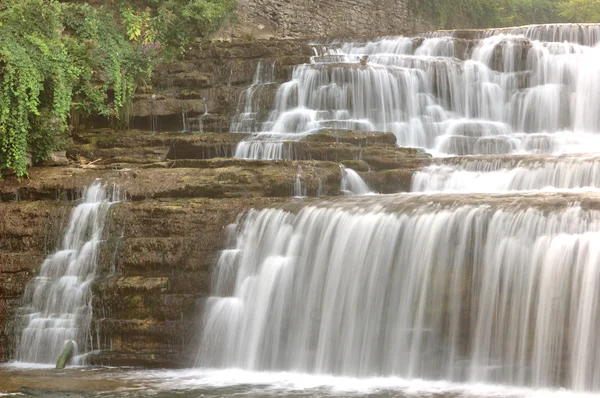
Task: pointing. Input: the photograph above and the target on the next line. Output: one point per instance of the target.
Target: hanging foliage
(58, 56)
(52, 56)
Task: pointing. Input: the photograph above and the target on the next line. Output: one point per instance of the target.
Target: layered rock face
(201, 92)
(28, 231)
(182, 191)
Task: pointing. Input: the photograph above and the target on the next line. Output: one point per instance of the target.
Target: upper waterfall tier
(585, 34)
(513, 91)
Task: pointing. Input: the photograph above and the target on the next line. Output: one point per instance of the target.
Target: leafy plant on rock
(58, 57)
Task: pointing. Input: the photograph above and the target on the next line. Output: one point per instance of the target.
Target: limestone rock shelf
(183, 190)
(210, 79)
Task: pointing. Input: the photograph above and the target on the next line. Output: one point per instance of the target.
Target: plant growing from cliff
(173, 24)
(55, 56)
(109, 65)
(37, 81)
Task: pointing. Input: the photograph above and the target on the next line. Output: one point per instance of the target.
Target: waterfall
(377, 288)
(521, 90)
(299, 188)
(184, 121)
(586, 34)
(246, 119)
(56, 306)
(352, 183)
(495, 175)
(488, 272)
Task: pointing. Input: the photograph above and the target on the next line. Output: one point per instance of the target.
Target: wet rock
(108, 147)
(211, 179)
(353, 137)
(161, 263)
(66, 355)
(58, 158)
(211, 77)
(28, 231)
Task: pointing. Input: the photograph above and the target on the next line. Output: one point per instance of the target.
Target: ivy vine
(56, 57)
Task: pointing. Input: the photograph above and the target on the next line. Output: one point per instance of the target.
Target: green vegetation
(58, 57)
(580, 10)
(500, 13)
(172, 23)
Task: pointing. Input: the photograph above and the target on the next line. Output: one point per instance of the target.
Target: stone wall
(325, 18)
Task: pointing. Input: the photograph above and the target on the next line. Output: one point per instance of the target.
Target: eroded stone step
(211, 79)
(400, 203)
(243, 179)
(120, 149)
(141, 342)
(107, 147)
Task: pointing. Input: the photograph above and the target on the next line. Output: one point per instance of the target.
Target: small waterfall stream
(56, 306)
(352, 183)
(299, 187)
(247, 118)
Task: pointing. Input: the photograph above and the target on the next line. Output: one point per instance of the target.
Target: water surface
(118, 382)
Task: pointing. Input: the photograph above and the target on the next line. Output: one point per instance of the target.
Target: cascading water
(352, 183)
(57, 303)
(514, 92)
(494, 175)
(478, 288)
(299, 188)
(246, 120)
(586, 34)
(387, 286)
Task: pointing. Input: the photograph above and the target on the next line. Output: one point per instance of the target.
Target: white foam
(26, 365)
(289, 382)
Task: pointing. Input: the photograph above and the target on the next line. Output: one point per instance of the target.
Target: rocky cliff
(182, 191)
(325, 18)
(210, 79)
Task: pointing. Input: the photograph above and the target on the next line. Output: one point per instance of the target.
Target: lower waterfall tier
(396, 286)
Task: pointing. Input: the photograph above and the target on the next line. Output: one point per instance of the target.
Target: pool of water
(25, 381)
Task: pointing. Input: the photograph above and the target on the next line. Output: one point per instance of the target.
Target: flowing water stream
(56, 306)
(510, 174)
(352, 183)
